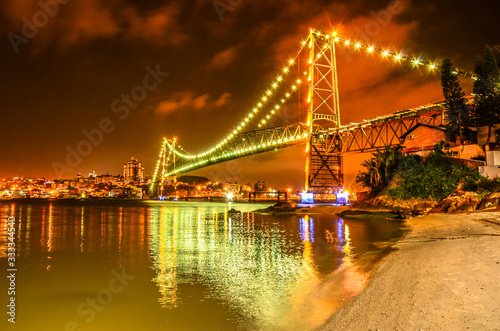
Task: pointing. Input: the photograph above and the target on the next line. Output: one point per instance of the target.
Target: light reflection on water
(197, 266)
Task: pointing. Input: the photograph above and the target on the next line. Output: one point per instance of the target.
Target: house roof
(413, 128)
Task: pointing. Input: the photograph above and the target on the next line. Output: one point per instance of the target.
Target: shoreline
(443, 275)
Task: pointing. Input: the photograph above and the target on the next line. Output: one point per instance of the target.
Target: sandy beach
(444, 275)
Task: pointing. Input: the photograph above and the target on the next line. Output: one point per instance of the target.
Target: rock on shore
(384, 204)
(456, 203)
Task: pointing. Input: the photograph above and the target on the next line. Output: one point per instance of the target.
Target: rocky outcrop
(466, 202)
(490, 202)
(403, 207)
(459, 202)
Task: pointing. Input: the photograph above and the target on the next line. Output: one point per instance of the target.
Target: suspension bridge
(326, 139)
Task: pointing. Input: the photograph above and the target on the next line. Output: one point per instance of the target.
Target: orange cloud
(182, 101)
(158, 26)
(79, 22)
(224, 58)
(84, 21)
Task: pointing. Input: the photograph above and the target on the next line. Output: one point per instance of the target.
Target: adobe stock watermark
(222, 7)
(120, 106)
(379, 20)
(89, 308)
(48, 9)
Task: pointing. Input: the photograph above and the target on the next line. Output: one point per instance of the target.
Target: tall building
(133, 171)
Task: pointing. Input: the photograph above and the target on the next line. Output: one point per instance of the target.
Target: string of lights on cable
(416, 61)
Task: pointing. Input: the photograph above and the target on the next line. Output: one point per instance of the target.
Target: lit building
(133, 171)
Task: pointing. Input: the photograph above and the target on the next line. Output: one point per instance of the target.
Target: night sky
(66, 77)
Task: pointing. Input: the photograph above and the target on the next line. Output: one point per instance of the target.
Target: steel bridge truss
(328, 145)
(246, 144)
(376, 134)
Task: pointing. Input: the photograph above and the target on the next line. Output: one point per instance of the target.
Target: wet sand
(445, 275)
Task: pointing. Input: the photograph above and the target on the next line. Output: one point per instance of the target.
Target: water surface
(113, 265)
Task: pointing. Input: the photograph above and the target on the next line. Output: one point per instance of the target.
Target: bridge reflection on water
(196, 265)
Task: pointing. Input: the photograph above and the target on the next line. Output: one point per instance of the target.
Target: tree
(496, 52)
(456, 113)
(380, 169)
(486, 91)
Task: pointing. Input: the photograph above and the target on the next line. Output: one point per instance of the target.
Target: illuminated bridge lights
(397, 56)
(218, 152)
(246, 120)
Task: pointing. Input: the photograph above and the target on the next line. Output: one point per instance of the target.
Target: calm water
(183, 266)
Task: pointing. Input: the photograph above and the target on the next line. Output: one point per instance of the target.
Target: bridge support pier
(324, 170)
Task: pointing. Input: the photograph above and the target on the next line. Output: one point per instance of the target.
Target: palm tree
(380, 169)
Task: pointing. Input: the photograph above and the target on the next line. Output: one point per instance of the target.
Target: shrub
(436, 178)
(483, 185)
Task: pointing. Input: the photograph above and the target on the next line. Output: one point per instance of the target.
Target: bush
(483, 185)
(436, 178)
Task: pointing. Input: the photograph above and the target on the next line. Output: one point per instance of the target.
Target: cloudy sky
(196, 67)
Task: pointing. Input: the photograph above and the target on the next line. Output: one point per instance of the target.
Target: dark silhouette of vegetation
(486, 91)
(484, 186)
(485, 111)
(380, 169)
(436, 178)
(457, 112)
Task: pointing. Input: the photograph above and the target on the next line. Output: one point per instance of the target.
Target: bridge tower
(323, 168)
(165, 162)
